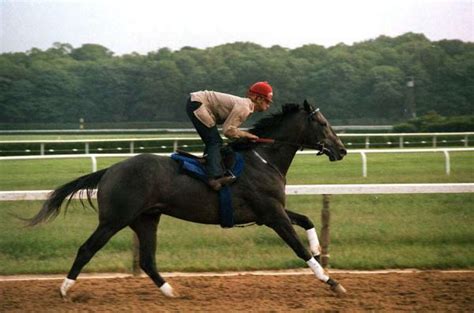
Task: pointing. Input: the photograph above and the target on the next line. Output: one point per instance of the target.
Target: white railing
(175, 140)
(403, 136)
(159, 130)
(87, 142)
(363, 153)
(27, 195)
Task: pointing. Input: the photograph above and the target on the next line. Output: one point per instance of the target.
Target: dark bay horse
(137, 191)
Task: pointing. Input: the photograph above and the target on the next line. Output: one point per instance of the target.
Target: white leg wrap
(167, 290)
(317, 270)
(313, 241)
(67, 284)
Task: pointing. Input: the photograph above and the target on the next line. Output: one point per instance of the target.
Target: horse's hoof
(63, 295)
(66, 285)
(339, 289)
(168, 291)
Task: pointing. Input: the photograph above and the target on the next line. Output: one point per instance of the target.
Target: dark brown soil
(415, 292)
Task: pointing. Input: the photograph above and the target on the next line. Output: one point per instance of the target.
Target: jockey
(207, 109)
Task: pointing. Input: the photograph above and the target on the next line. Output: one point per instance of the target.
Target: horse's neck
(281, 157)
(282, 154)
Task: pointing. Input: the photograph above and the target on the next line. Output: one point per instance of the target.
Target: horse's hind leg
(96, 241)
(145, 226)
(304, 222)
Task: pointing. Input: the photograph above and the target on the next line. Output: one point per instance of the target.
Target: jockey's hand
(250, 136)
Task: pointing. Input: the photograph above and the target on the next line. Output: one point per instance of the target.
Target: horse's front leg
(304, 222)
(282, 226)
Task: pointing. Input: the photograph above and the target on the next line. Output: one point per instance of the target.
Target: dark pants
(211, 138)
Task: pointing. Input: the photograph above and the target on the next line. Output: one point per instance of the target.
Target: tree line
(381, 80)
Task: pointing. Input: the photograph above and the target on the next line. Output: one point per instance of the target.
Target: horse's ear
(307, 106)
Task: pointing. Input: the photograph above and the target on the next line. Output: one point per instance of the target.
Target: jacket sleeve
(231, 125)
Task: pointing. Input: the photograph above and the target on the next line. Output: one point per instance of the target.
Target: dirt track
(426, 291)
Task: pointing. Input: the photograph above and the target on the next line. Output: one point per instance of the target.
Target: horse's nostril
(343, 151)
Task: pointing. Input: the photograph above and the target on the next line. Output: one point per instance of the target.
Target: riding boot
(217, 183)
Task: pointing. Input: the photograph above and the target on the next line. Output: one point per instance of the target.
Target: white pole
(94, 163)
(447, 162)
(364, 164)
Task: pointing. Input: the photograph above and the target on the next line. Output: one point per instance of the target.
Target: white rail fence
(363, 153)
(402, 142)
(332, 189)
(161, 130)
(325, 190)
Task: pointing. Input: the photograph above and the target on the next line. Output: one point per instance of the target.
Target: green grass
(383, 168)
(306, 169)
(367, 231)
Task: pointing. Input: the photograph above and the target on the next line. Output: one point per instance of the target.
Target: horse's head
(319, 133)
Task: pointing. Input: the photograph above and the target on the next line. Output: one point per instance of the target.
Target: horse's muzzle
(334, 154)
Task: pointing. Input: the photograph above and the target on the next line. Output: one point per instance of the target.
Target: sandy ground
(415, 292)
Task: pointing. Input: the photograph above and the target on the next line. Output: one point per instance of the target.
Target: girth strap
(269, 164)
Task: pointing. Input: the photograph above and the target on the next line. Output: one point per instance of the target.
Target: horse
(137, 191)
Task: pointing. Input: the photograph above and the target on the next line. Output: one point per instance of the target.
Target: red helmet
(263, 89)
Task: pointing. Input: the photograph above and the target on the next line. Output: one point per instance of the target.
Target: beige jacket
(219, 108)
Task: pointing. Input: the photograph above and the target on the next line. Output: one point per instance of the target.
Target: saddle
(194, 166)
(227, 153)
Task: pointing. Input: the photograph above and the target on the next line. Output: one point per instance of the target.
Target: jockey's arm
(232, 123)
(235, 133)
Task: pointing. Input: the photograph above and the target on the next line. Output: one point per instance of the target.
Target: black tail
(52, 206)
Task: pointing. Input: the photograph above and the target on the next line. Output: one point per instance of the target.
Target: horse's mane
(268, 123)
(264, 126)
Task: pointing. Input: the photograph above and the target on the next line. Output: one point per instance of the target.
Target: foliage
(366, 81)
(433, 122)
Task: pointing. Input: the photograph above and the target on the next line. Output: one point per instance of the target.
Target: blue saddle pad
(195, 169)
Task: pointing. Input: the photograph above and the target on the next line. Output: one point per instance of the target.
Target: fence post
(94, 163)
(325, 218)
(364, 164)
(136, 256)
(447, 162)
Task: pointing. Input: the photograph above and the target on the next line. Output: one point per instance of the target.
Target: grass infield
(367, 231)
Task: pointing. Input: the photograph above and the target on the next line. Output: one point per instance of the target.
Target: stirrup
(217, 183)
(230, 174)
